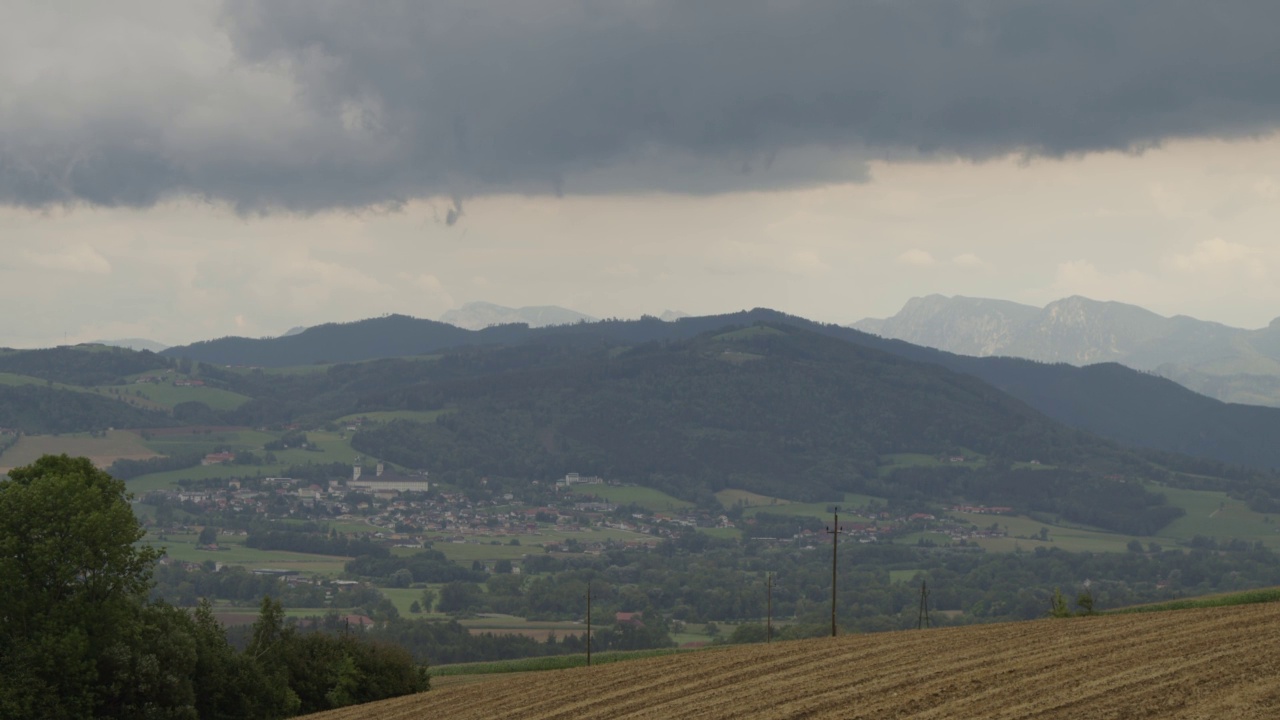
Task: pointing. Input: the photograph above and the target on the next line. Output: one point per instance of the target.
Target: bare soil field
(1214, 663)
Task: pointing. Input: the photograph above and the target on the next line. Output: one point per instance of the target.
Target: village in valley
(575, 513)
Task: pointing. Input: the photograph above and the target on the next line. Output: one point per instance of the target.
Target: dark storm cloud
(399, 100)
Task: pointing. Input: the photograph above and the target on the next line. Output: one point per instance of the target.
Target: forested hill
(1126, 405)
(82, 364)
(384, 337)
(774, 409)
(40, 410)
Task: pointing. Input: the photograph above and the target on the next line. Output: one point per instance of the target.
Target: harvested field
(1213, 663)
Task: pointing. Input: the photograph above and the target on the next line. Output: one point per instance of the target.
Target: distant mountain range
(133, 344)
(480, 315)
(1227, 363)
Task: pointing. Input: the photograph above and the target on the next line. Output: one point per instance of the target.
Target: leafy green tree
(71, 581)
(319, 671)
(749, 633)
(428, 599)
(1058, 606)
(230, 685)
(208, 535)
(458, 596)
(1085, 603)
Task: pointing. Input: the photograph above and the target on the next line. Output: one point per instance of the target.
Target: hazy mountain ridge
(480, 315)
(1230, 364)
(133, 344)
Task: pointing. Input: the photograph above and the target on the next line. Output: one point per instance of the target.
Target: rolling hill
(1213, 663)
(1126, 405)
(383, 337)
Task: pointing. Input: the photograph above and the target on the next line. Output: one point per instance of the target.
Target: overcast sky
(180, 171)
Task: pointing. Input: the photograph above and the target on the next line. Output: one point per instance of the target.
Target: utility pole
(922, 620)
(768, 594)
(834, 531)
(588, 624)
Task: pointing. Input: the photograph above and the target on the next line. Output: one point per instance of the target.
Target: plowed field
(1217, 663)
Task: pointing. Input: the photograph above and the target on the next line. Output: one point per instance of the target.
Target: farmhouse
(221, 458)
(629, 618)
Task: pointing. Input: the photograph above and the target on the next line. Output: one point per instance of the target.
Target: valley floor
(1211, 663)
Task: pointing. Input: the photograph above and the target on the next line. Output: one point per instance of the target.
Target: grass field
(183, 547)
(893, 461)
(511, 625)
(647, 498)
(381, 416)
(402, 598)
(103, 451)
(329, 447)
(484, 549)
(167, 395)
(1248, 597)
(722, 533)
(902, 575)
(17, 380)
(1024, 532)
(235, 439)
(929, 537)
(469, 551)
(732, 498)
(1209, 514)
(1213, 514)
(821, 510)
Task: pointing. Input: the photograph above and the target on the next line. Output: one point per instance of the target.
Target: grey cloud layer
(350, 104)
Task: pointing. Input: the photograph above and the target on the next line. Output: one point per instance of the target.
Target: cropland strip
(1211, 663)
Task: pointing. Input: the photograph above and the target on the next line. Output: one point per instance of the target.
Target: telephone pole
(768, 594)
(834, 531)
(588, 624)
(922, 620)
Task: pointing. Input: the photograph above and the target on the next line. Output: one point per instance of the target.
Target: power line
(922, 619)
(834, 531)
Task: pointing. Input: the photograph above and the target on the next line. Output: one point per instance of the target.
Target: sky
(183, 171)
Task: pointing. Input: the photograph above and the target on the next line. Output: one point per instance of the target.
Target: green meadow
(821, 510)
(381, 416)
(647, 498)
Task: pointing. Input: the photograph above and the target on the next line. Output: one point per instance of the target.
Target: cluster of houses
(399, 510)
(403, 509)
(164, 378)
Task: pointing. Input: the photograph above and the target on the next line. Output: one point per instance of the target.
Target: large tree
(79, 639)
(71, 580)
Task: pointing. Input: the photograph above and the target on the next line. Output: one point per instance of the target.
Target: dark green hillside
(35, 409)
(1141, 409)
(1117, 403)
(384, 337)
(777, 410)
(81, 364)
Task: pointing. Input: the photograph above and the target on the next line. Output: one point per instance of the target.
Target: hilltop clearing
(1213, 663)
